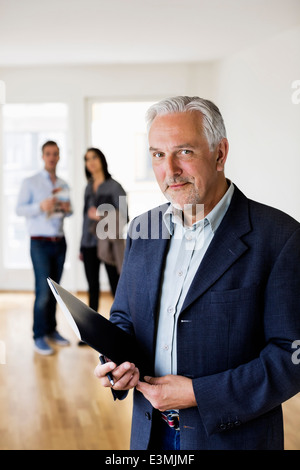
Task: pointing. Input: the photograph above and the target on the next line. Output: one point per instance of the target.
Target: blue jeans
(162, 436)
(48, 259)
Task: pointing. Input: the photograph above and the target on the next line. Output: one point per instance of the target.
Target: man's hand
(48, 205)
(126, 375)
(168, 392)
(63, 206)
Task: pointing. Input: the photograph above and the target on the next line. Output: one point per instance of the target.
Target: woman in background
(101, 189)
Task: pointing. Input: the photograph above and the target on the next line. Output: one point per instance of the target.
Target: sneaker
(42, 347)
(56, 338)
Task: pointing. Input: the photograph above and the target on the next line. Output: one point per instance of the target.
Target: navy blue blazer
(235, 330)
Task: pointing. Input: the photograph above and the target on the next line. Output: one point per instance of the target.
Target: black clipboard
(95, 330)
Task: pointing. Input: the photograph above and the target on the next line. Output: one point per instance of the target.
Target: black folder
(96, 331)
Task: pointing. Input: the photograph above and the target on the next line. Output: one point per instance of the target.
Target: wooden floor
(55, 402)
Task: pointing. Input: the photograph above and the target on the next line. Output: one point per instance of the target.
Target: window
(119, 130)
(26, 128)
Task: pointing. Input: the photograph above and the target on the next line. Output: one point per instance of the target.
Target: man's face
(185, 168)
(50, 157)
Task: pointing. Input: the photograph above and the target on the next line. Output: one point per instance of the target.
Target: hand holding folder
(96, 331)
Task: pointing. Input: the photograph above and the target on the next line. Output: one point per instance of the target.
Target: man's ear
(221, 154)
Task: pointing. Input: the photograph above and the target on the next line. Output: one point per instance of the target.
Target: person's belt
(171, 417)
(48, 239)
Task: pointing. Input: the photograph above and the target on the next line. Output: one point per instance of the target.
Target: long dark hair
(103, 161)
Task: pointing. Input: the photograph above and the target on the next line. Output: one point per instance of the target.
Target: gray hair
(213, 123)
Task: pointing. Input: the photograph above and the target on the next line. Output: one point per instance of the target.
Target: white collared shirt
(187, 248)
(33, 191)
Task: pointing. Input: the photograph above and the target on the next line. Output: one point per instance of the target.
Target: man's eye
(185, 152)
(157, 154)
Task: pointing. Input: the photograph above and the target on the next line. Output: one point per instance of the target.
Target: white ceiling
(40, 32)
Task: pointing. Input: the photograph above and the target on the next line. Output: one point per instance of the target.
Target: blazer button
(237, 423)
(222, 427)
(148, 415)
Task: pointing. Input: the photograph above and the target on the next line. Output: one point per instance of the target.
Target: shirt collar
(45, 173)
(47, 176)
(214, 217)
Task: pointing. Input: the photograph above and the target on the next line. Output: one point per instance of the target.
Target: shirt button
(170, 310)
(165, 347)
(180, 273)
(188, 236)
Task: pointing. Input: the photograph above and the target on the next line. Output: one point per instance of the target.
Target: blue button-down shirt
(187, 249)
(33, 191)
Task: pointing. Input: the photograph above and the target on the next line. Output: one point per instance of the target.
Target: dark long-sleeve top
(107, 193)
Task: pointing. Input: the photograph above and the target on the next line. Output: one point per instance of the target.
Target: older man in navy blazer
(210, 288)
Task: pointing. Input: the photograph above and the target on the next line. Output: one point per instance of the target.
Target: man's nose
(172, 166)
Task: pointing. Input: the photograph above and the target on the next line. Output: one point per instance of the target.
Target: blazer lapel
(155, 254)
(225, 248)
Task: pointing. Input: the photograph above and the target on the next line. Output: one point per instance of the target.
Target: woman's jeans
(48, 259)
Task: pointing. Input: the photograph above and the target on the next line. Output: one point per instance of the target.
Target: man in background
(44, 201)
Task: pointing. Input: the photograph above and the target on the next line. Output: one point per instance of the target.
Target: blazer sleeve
(250, 390)
(119, 313)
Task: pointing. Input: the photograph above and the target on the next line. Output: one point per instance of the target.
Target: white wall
(254, 90)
